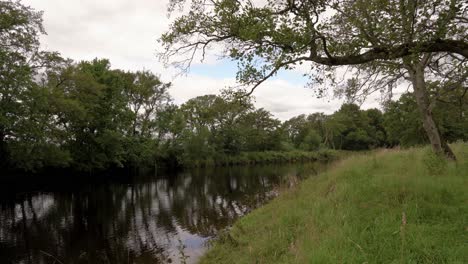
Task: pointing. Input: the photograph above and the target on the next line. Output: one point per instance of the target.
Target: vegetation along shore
(390, 206)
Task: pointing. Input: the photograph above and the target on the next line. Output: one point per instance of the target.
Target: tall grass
(384, 207)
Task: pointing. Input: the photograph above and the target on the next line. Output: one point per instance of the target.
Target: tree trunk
(439, 145)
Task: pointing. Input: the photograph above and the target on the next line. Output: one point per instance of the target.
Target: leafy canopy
(266, 36)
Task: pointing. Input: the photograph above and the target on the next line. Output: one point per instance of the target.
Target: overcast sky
(126, 33)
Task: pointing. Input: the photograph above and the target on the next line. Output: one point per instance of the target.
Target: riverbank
(264, 157)
(389, 206)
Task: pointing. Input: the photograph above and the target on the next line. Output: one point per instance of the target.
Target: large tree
(24, 107)
(384, 41)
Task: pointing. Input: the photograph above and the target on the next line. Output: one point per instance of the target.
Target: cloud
(190, 86)
(286, 100)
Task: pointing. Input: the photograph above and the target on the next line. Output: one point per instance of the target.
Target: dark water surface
(165, 218)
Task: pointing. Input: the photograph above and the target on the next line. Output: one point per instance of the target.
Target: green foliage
(222, 126)
(23, 120)
(349, 128)
(403, 124)
(85, 115)
(379, 207)
(264, 157)
(311, 141)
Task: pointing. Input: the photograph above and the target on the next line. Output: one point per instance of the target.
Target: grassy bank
(385, 207)
(265, 157)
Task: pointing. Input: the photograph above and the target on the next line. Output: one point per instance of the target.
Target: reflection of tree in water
(141, 222)
(100, 225)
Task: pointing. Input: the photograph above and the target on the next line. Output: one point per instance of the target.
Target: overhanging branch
(383, 53)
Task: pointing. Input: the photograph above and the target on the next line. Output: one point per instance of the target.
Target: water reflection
(163, 219)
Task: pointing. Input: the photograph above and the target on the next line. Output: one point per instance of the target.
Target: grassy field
(390, 206)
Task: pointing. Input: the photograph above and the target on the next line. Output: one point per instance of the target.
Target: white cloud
(286, 100)
(187, 87)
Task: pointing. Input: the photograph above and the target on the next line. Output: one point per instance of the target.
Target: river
(156, 218)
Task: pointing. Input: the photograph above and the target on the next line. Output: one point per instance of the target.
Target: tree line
(87, 116)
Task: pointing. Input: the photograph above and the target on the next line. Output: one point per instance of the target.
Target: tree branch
(389, 53)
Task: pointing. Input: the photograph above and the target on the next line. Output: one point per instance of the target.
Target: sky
(126, 33)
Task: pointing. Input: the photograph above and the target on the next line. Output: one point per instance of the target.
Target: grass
(266, 157)
(390, 206)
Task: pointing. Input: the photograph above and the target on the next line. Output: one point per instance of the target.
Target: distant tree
(200, 112)
(230, 110)
(403, 126)
(402, 122)
(147, 97)
(311, 141)
(221, 116)
(353, 130)
(317, 121)
(260, 131)
(171, 125)
(296, 129)
(376, 128)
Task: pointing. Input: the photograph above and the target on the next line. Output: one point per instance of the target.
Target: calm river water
(164, 218)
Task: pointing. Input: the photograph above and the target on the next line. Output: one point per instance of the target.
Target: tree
(24, 106)
(296, 129)
(199, 112)
(147, 96)
(355, 132)
(109, 116)
(384, 41)
(38, 137)
(171, 125)
(402, 122)
(404, 127)
(220, 117)
(311, 141)
(260, 131)
(98, 117)
(376, 128)
(301, 131)
(57, 113)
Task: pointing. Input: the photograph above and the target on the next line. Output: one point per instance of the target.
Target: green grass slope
(386, 207)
